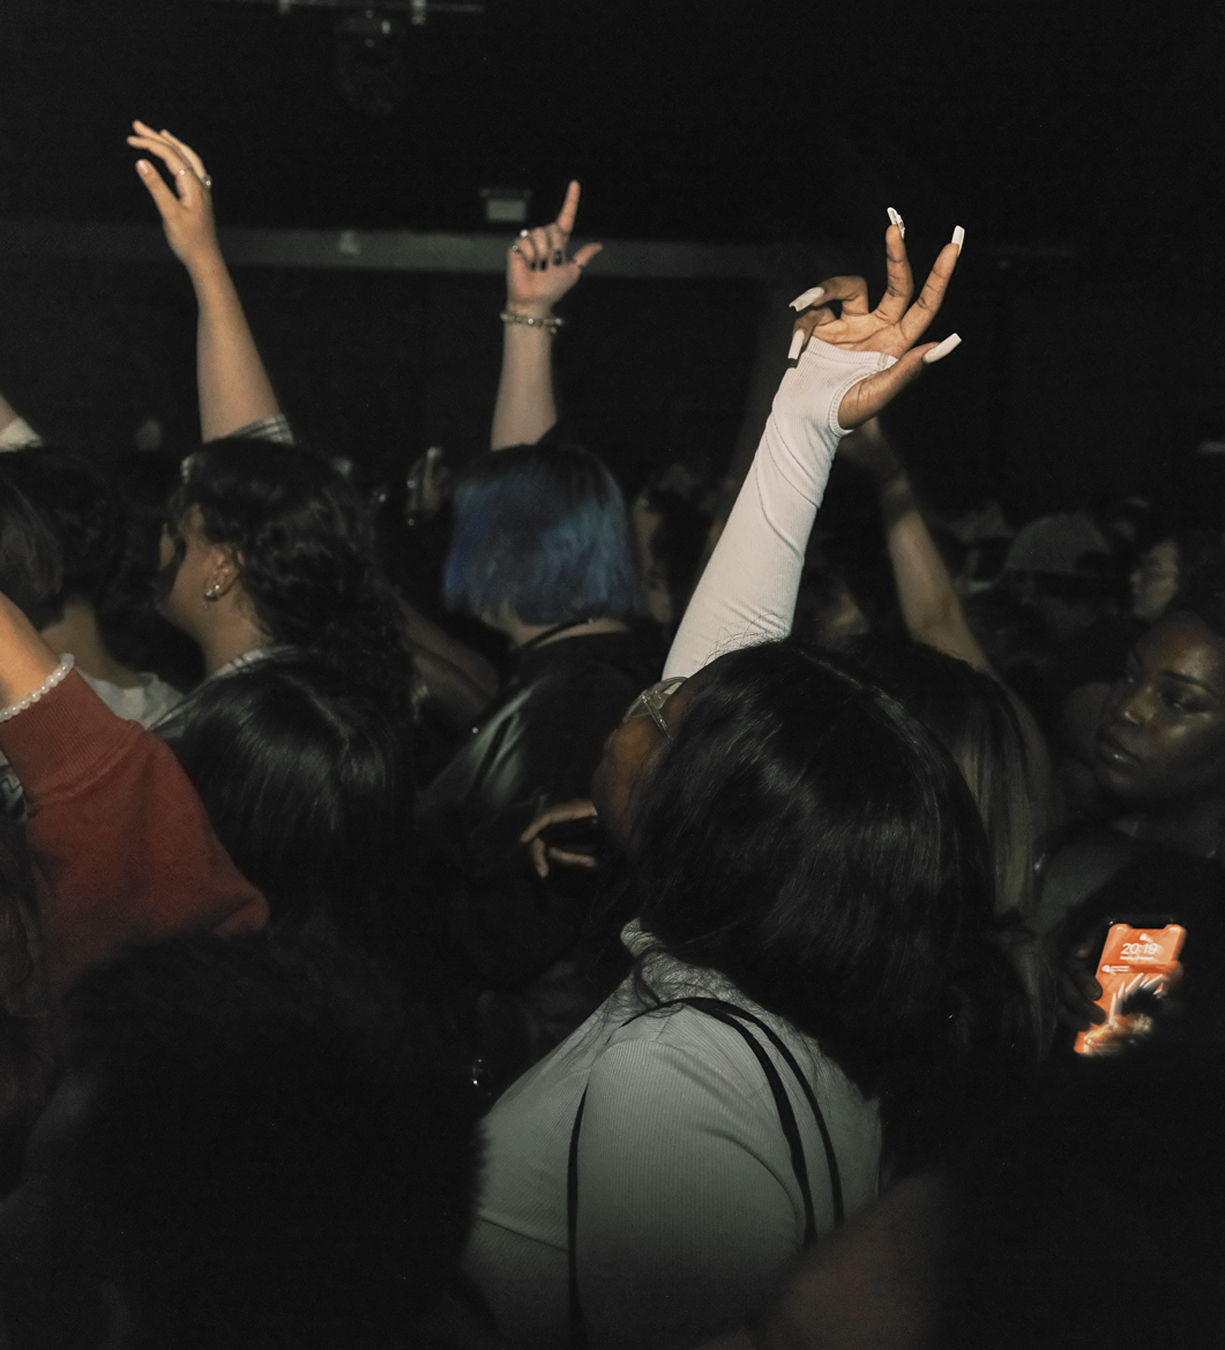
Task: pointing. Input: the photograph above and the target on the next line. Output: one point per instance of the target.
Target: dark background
(1081, 145)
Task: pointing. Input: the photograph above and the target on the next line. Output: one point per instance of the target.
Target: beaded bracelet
(550, 324)
(65, 665)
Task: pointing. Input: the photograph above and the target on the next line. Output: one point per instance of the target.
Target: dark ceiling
(1075, 122)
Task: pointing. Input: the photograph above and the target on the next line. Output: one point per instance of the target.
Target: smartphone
(1139, 956)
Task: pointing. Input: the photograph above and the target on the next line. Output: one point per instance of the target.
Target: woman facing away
(269, 554)
(308, 785)
(809, 866)
(804, 851)
(942, 675)
(306, 778)
(268, 549)
(268, 566)
(299, 740)
(542, 552)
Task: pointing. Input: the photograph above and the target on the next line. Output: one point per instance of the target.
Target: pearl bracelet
(65, 665)
(550, 324)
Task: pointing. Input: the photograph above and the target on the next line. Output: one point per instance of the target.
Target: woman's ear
(224, 570)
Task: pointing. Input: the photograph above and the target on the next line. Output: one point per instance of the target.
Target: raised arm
(931, 608)
(121, 845)
(15, 432)
(8, 414)
(844, 369)
(25, 659)
(234, 388)
(538, 273)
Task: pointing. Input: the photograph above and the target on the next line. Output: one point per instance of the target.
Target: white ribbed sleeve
(747, 592)
(19, 435)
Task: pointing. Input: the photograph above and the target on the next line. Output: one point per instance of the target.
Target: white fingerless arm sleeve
(19, 435)
(748, 591)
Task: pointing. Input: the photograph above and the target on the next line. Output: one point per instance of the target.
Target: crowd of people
(659, 933)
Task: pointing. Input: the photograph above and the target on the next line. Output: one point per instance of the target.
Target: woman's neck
(77, 631)
(232, 636)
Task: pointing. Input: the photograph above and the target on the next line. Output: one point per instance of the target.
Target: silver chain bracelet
(550, 324)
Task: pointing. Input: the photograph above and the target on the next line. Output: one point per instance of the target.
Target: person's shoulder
(685, 1036)
(614, 666)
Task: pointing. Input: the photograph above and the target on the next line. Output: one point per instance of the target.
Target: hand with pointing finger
(892, 329)
(539, 269)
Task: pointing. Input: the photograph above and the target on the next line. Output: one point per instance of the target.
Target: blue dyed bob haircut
(542, 530)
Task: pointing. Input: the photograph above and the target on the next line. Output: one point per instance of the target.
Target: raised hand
(893, 327)
(187, 211)
(538, 269)
(233, 385)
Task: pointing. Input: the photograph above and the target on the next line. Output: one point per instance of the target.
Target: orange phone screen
(1133, 960)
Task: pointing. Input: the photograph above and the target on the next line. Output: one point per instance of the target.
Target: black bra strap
(831, 1158)
(578, 1327)
(728, 1013)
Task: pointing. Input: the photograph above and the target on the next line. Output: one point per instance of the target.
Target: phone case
(1133, 959)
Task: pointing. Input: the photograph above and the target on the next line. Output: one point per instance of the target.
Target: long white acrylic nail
(801, 302)
(959, 237)
(797, 342)
(895, 218)
(950, 343)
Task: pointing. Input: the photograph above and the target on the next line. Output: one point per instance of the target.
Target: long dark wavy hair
(305, 547)
(810, 840)
(309, 787)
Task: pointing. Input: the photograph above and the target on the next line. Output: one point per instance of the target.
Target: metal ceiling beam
(407, 251)
(418, 10)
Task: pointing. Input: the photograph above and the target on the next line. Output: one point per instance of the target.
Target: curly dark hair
(305, 547)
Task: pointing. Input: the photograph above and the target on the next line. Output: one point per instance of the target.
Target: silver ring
(514, 248)
(523, 234)
(208, 180)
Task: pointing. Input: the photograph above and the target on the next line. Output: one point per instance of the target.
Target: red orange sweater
(121, 844)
